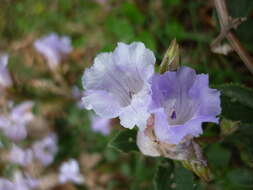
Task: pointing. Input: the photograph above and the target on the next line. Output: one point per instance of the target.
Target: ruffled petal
(115, 80)
(181, 102)
(136, 113)
(146, 146)
(209, 99)
(192, 127)
(103, 103)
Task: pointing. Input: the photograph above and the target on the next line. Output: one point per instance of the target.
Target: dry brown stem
(227, 23)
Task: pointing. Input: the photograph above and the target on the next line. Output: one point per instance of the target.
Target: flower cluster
(123, 84)
(31, 152)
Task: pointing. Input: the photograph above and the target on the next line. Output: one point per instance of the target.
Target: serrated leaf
(163, 176)
(125, 141)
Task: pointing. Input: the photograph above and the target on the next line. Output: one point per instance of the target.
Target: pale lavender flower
(14, 124)
(6, 184)
(20, 156)
(118, 84)
(19, 182)
(181, 102)
(69, 172)
(5, 78)
(24, 182)
(99, 124)
(46, 149)
(54, 48)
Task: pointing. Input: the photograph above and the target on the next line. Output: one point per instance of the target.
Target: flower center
(173, 115)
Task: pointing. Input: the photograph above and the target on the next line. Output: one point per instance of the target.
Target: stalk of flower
(117, 85)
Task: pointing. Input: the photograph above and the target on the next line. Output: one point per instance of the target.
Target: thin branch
(227, 23)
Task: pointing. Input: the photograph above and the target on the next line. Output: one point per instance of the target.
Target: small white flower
(54, 48)
(69, 172)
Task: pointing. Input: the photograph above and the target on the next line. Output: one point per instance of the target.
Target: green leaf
(132, 13)
(237, 102)
(218, 156)
(183, 179)
(124, 141)
(170, 177)
(241, 177)
(163, 176)
(243, 140)
(240, 8)
(120, 28)
(239, 93)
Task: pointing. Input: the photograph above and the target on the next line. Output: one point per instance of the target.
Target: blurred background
(95, 26)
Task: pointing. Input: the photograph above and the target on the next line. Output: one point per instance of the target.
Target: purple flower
(24, 182)
(20, 182)
(14, 124)
(46, 149)
(181, 102)
(5, 184)
(117, 84)
(20, 156)
(69, 172)
(99, 124)
(5, 78)
(53, 48)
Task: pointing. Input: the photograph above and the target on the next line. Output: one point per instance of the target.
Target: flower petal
(146, 146)
(103, 103)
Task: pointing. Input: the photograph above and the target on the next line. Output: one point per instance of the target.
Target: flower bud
(171, 60)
